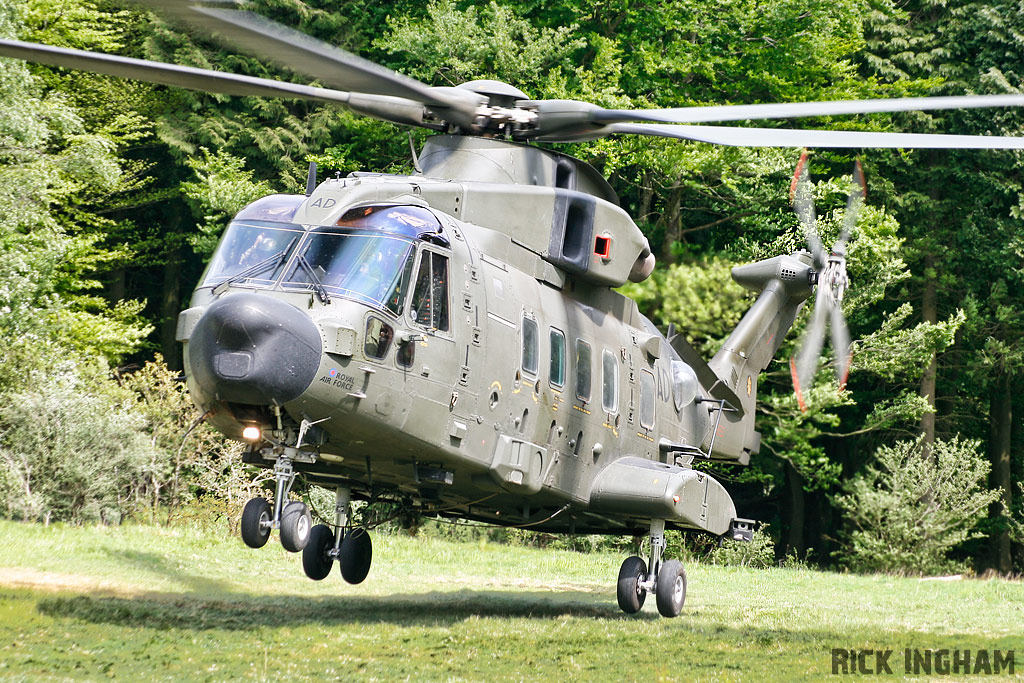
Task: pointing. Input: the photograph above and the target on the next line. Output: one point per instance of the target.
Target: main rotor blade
(805, 364)
(788, 110)
(393, 109)
(786, 137)
(306, 55)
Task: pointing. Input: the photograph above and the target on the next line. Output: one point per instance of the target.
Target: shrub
(71, 449)
(906, 512)
(758, 553)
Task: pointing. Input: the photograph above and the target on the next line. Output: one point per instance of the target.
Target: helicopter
(451, 341)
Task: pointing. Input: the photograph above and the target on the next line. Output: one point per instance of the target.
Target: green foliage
(92, 172)
(454, 45)
(71, 449)
(200, 472)
(894, 351)
(221, 189)
(758, 553)
(701, 299)
(51, 168)
(908, 511)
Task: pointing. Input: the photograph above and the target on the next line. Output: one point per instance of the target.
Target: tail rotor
(832, 282)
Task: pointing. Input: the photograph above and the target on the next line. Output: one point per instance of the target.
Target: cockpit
(368, 255)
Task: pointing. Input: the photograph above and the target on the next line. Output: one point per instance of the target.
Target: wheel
(630, 593)
(316, 558)
(671, 588)
(256, 516)
(356, 555)
(295, 525)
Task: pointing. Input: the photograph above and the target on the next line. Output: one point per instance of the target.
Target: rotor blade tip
(796, 386)
(845, 373)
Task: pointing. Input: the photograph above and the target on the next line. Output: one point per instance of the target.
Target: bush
(203, 477)
(758, 553)
(907, 512)
(71, 449)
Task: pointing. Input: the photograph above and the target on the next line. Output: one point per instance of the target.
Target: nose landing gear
(666, 579)
(291, 517)
(350, 547)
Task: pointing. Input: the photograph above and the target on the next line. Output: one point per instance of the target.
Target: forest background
(113, 194)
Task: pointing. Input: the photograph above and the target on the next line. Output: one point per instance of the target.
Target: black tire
(629, 592)
(295, 526)
(671, 588)
(356, 556)
(316, 558)
(256, 512)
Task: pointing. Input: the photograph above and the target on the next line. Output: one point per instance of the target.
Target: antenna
(415, 158)
(311, 179)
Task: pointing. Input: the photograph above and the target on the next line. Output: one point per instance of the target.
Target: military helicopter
(451, 340)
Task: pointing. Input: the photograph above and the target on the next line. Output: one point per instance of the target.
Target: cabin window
(378, 338)
(648, 393)
(557, 374)
(610, 375)
(530, 354)
(430, 296)
(582, 370)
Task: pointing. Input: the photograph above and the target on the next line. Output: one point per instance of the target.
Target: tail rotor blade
(841, 346)
(858, 193)
(804, 365)
(801, 195)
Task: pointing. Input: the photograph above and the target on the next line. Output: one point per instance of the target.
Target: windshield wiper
(321, 291)
(276, 259)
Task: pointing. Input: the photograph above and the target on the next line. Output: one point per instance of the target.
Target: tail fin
(784, 283)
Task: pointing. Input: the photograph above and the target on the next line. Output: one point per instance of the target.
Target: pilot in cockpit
(263, 248)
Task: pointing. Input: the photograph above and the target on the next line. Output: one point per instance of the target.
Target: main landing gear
(290, 516)
(666, 579)
(350, 547)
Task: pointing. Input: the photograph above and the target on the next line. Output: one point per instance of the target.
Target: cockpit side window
(430, 295)
(378, 338)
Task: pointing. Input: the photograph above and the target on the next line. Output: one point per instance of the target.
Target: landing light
(251, 433)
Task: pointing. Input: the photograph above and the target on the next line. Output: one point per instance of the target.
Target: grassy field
(145, 603)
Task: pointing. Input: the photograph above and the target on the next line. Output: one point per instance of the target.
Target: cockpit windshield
(252, 251)
(362, 265)
(367, 256)
(257, 243)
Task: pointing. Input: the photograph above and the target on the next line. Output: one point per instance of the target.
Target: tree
(960, 211)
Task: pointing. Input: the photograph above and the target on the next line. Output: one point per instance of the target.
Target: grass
(146, 603)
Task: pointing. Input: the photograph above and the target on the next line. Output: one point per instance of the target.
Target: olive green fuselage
(530, 390)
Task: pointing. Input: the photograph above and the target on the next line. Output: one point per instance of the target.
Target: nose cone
(254, 349)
